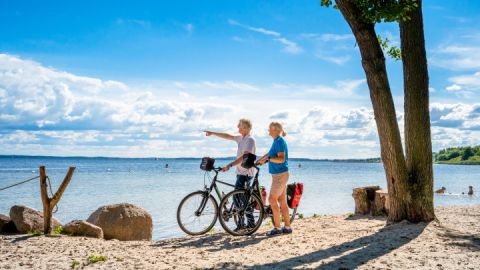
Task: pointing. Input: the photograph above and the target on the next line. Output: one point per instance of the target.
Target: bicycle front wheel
(197, 213)
(241, 212)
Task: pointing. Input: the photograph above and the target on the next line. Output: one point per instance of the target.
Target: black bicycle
(197, 213)
(242, 211)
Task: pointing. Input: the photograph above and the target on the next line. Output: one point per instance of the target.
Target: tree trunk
(373, 62)
(418, 142)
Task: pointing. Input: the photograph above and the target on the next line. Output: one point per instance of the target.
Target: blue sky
(143, 78)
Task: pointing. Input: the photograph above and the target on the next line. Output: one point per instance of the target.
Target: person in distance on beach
(470, 190)
(278, 168)
(246, 144)
(441, 191)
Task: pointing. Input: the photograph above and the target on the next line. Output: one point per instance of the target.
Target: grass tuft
(74, 264)
(96, 258)
(58, 230)
(34, 232)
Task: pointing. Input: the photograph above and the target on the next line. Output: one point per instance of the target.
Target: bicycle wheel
(239, 214)
(197, 213)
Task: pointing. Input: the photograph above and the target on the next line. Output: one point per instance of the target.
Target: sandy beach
(325, 242)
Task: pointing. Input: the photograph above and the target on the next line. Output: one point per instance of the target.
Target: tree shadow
(461, 239)
(23, 238)
(350, 255)
(216, 242)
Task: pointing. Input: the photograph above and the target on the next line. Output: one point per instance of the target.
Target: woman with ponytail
(278, 167)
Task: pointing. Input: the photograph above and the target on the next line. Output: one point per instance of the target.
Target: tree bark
(373, 62)
(418, 142)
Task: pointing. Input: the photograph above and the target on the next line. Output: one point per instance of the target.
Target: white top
(245, 145)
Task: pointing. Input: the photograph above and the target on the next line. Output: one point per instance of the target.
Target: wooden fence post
(49, 203)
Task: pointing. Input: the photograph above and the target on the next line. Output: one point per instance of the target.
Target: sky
(145, 78)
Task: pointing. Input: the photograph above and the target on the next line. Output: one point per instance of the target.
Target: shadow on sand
(350, 255)
(216, 242)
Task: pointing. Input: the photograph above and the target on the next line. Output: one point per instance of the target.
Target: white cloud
(327, 36)
(255, 29)
(338, 59)
(290, 46)
(456, 57)
(470, 82)
(46, 111)
(454, 87)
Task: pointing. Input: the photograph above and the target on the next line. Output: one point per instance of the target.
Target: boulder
(125, 222)
(28, 219)
(83, 228)
(6, 225)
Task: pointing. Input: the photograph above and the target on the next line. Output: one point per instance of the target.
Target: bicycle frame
(208, 190)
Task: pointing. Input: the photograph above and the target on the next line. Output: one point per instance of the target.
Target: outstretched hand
(208, 133)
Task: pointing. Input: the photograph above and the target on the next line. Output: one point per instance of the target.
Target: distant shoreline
(366, 160)
(351, 160)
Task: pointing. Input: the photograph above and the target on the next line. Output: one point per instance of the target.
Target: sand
(325, 242)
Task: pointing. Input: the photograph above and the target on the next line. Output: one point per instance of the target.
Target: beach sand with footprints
(324, 242)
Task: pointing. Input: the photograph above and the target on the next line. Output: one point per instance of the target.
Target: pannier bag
(294, 194)
(207, 164)
(248, 160)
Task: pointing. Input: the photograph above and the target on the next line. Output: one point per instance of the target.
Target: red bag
(294, 194)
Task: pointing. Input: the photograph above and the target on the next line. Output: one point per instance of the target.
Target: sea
(158, 188)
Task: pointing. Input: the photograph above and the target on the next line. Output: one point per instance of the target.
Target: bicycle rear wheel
(241, 212)
(197, 213)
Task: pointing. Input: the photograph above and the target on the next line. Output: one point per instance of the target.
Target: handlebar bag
(294, 194)
(248, 160)
(207, 164)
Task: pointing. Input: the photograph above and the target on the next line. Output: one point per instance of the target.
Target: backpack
(294, 194)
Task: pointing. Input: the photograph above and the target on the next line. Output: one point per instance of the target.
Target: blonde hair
(278, 127)
(245, 122)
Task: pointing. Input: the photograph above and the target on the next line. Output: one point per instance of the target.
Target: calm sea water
(148, 184)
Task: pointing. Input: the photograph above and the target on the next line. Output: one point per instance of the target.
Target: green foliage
(376, 11)
(268, 223)
(350, 215)
(34, 233)
(392, 51)
(211, 231)
(300, 216)
(94, 258)
(58, 230)
(74, 264)
(458, 155)
(316, 215)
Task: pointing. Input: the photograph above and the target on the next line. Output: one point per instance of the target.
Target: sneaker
(287, 230)
(274, 232)
(239, 228)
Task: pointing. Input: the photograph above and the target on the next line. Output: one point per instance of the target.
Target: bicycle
(246, 202)
(205, 208)
(201, 207)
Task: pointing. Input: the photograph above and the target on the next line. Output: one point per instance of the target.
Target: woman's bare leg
(275, 210)
(284, 206)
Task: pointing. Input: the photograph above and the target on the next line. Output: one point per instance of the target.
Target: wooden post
(49, 203)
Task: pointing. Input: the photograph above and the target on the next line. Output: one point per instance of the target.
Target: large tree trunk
(373, 62)
(418, 143)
